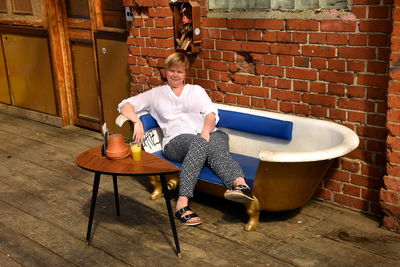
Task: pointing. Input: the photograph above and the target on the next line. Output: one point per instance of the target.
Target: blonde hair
(177, 59)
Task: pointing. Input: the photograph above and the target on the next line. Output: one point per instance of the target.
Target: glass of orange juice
(136, 150)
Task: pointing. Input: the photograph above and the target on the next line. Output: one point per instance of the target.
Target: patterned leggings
(194, 152)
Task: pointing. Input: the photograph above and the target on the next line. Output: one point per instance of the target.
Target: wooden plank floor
(44, 206)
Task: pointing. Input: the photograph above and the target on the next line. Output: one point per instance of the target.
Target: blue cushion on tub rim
(148, 122)
(248, 164)
(242, 122)
(255, 124)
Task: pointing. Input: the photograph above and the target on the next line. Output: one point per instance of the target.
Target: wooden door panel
(112, 5)
(3, 6)
(22, 12)
(88, 106)
(113, 14)
(114, 80)
(77, 8)
(30, 74)
(22, 6)
(113, 19)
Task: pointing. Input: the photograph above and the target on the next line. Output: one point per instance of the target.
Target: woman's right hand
(138, 132)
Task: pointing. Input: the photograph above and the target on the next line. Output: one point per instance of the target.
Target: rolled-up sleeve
(207, 106)
(141, 102)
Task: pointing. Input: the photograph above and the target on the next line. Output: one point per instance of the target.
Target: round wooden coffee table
(92, 160)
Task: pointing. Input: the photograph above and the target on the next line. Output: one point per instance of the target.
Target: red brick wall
(390, 196)
(334, 69)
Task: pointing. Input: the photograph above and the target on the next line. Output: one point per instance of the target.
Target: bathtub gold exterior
(283, 186)
(278, 186)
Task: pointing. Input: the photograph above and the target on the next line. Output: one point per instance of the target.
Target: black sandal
(240, 193)
(186, 218)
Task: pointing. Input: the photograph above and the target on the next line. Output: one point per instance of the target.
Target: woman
(187, 118)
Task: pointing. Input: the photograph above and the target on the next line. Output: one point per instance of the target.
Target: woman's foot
(188, 217)
(240, 193)
(185, 214)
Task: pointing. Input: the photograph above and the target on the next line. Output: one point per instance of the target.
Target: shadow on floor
(132, 211)
(236, 212)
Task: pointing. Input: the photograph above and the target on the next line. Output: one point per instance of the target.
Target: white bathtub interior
(313, 139)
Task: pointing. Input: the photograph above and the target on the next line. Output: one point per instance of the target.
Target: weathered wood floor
(44, 206)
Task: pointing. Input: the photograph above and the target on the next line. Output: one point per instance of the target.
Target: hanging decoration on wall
(187, 29)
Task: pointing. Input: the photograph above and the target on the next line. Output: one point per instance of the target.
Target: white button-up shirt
(175, 115)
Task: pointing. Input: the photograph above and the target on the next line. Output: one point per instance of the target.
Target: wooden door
(97, 33)
(85, 84)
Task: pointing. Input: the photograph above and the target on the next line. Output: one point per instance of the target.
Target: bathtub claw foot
(173, 180)
(253, 210)
(157, 188)
(172, 183)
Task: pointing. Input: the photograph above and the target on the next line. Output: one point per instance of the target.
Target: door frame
(54, 16)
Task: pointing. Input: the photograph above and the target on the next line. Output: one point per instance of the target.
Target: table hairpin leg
(96, 183)
(171, 217)
(116, 194)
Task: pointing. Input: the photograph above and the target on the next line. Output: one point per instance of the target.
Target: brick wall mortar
(328, 69)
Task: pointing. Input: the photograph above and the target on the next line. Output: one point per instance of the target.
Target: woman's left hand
(138, 132)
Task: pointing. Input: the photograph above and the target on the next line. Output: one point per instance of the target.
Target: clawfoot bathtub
(284, 156)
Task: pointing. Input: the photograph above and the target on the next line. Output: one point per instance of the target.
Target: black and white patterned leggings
(194, 152)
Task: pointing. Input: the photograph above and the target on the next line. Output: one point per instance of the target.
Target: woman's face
(176, 76)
